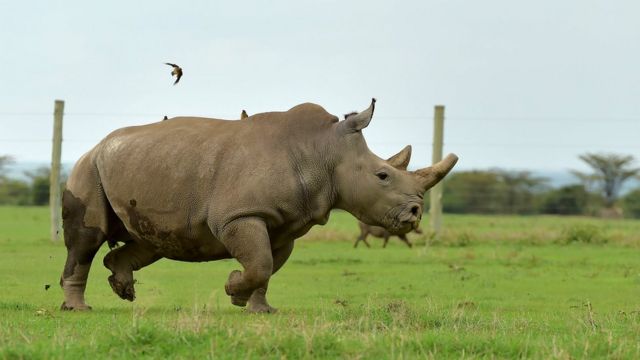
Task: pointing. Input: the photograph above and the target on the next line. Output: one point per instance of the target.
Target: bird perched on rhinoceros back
(380, 232)
(176, 71)
(243, 115)
(181, 190)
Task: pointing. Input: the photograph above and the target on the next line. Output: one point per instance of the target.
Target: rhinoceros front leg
(247, 240)
(122, 262)
(258, 300)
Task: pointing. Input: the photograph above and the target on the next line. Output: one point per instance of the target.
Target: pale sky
(526, 84)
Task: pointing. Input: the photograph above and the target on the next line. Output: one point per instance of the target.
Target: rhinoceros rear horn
(358, 121)
(431, 175)
(401, 159)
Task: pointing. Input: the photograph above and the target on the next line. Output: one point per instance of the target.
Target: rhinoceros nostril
(415, 210)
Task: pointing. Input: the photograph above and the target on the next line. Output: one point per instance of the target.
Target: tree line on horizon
(597, 193)
(493, 191)
(34, 191)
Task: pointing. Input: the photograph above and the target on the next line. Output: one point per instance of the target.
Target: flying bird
(243, 115)
(177, 71)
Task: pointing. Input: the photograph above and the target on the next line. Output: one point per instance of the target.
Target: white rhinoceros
(197, 189)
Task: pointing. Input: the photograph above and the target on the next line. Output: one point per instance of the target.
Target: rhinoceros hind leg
(122, 262)
(73, 287)
(82, 243)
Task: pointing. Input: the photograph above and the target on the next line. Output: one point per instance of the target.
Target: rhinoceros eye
(382, 175)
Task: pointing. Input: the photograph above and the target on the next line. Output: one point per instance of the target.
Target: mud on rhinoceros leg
(122, 262)
(74, 281)
(82, 243)
(80, 254)
(247, 240)
(258, 300)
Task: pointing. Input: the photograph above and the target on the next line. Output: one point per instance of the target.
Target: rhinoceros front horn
(431, 175)
(401, 159)
(359, 121)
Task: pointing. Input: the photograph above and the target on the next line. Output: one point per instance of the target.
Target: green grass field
(491, 287)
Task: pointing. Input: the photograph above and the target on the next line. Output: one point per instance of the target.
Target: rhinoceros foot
(239, 298)
(74, 307)
(258, 302)
(124, 289)
(261, 308)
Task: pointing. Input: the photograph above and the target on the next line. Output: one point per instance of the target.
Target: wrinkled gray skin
(196, 189)
(380, 232)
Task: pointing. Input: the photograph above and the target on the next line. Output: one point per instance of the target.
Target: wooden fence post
(435, 210)
(55, 202)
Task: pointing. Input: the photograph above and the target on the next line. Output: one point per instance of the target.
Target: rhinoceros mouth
(403, 218)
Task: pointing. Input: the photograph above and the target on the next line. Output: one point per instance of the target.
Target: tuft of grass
(584, 234)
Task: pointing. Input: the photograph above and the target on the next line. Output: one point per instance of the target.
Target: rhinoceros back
(190, 170)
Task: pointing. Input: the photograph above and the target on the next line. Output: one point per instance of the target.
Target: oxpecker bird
(165, 118)
(243, 115)
(177, 71)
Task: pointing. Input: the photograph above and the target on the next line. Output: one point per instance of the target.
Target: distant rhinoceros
(381, 232)
(198, 189)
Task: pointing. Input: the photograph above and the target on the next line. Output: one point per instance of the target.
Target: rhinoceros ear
(358, 121)
(401, 160)
(431, 175)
